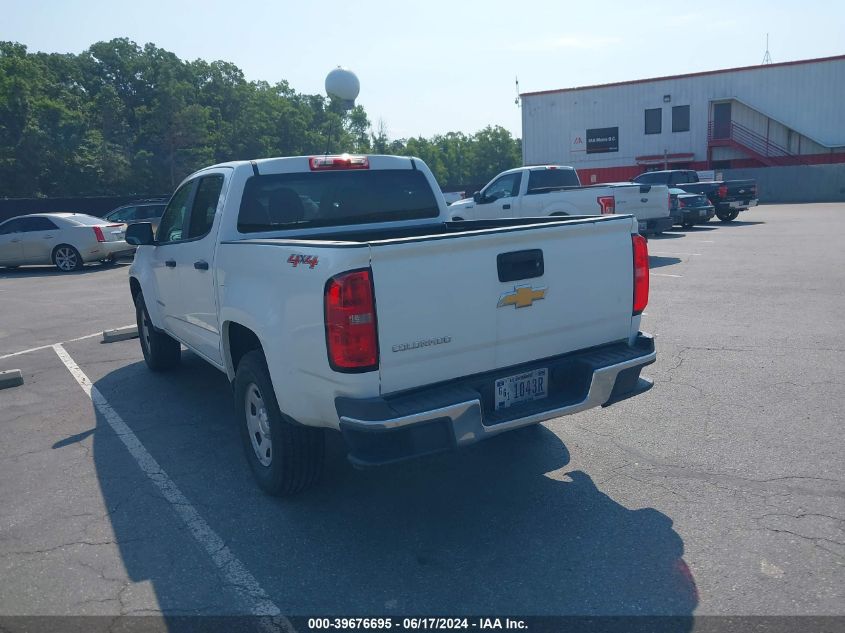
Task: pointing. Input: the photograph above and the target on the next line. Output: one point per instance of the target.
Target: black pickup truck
(729, 196)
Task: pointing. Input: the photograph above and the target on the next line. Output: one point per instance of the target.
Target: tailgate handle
(520, 265)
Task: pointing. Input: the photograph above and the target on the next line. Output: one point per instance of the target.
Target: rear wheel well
(134, 288)
(241, 340)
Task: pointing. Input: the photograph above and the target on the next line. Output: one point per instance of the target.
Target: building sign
(603, 139)
(577, 141)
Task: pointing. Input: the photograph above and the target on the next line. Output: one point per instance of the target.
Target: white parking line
(664, 275)
(35, 349)
(232, 571)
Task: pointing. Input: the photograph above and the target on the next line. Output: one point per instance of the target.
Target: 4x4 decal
(305, 260)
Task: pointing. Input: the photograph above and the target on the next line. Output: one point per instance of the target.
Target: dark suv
(141, 211)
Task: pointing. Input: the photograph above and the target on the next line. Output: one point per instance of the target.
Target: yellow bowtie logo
(521, 297)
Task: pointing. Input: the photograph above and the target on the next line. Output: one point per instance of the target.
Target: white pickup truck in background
(547, 190)
(335, 294)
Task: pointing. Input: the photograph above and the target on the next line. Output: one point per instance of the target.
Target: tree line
(122, 119)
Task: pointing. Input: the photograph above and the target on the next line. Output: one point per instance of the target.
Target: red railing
(751, 142)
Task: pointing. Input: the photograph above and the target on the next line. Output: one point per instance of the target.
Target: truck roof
(537, 168)
(282, 164)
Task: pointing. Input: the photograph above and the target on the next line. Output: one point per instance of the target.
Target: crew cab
(336, 295)
(556, 190)
(729, 197)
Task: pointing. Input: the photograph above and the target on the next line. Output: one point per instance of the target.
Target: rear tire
(727, 216)
(285, 457)
(67, 259)
(160, 351)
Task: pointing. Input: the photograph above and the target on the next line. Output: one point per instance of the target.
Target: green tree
(120, 118)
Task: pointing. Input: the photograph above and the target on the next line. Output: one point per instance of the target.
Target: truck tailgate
(741, 189)
(443, 313)
(646, 202)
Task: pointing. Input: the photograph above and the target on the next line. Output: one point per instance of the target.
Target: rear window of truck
(309, 199)
(543, 180)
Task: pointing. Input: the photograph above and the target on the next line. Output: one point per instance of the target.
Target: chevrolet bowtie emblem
(521, 297)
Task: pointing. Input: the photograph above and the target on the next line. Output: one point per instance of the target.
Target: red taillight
(607, 204)
(344, 161)
(351, 333)
(99, 233)
(681, 203)
(640, 247)
(670, 200)
(723, 191)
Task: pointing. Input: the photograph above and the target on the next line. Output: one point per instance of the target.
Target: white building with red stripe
(790, 113)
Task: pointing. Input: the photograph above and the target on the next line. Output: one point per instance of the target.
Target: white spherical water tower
(342, 84)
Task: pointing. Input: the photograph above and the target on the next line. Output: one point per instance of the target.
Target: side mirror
(477, 197)
(140, 234)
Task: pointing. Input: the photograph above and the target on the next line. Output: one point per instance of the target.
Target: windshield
(335, 198)
(655, 178)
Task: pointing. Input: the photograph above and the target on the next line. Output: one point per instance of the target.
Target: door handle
(170, 263)
(519, 265)
(201, 265)
(15, 241)
(48, 237)
(506, 206)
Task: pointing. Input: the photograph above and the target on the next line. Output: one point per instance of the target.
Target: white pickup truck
(546, 190)
(334, 294)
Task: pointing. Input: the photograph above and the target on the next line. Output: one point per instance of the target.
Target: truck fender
(562, 209)
(141, 281)
(236, 318)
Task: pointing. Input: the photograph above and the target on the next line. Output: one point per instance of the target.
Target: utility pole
(767, 59)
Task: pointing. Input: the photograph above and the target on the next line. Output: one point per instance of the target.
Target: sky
(431, 66)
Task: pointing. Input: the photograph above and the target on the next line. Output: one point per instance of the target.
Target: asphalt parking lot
(720, 491)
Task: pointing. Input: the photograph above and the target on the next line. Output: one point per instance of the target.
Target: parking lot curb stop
(120, 334)
(11, 378)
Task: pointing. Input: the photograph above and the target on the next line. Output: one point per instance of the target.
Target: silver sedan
(66, 240)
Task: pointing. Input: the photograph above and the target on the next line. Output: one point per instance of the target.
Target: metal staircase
(749, 142)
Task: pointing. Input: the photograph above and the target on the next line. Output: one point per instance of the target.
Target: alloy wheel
(66, 259)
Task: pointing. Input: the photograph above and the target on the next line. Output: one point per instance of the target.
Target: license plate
(702, 213)
(530, 385)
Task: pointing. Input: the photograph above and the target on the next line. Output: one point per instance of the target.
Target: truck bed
(440, 230)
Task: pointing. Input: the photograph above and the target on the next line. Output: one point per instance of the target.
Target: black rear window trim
(250, 228)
